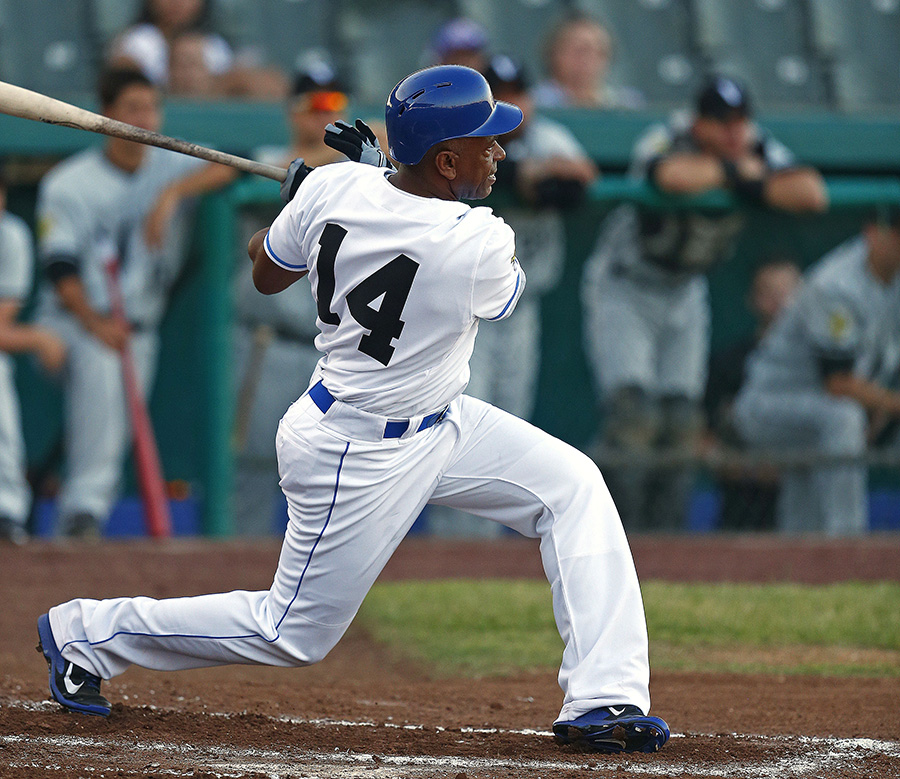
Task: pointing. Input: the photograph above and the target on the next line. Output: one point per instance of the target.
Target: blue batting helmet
(440, 103)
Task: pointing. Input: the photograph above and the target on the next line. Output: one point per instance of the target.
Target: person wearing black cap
(645, 293)
(819, 380)
(318, 97)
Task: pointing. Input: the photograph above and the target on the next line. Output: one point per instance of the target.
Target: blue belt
(393, 428)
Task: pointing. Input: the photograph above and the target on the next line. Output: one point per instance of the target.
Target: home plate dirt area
(363, 713)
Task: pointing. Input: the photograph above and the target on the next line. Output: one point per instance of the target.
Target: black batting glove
(358, 143)
(296, 172)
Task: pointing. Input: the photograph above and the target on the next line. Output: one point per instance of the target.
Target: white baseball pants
(352, 496)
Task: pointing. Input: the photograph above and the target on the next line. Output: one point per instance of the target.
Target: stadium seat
(655, 47)
(110, 17)
(276, 32)
(767, 43)
(517, 28)
(57, 56)
(383, 44)
(862, 39)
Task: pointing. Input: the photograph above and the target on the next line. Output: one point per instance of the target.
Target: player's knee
(307, 649)
(632, 419)
(682, 421)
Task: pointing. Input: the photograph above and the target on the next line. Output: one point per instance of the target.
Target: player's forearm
(797, 190)
(871, 396)
(18, 338)
(689, 173)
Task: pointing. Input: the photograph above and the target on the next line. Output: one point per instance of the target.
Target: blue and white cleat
(614, 729)
(70, 684)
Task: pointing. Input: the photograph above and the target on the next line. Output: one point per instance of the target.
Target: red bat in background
(157, 517)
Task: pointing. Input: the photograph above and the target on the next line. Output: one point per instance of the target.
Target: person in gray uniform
(122, 203)
(274, 349)
(644, 290)
(547, 172)
(16, 277)
(821, 371)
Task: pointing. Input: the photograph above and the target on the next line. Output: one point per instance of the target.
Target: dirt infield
(362, 713)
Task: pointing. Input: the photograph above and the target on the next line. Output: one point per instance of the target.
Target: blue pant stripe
(337, 483)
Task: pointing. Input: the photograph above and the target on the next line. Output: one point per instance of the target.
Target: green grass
(494, 627)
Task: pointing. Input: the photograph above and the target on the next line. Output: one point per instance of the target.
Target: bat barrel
(17, 101)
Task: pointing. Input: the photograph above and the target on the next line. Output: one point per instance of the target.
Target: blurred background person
(748, 494)
(147, 44)
(819, 373)
(460, 41)
(127, 203)
(546, 172)
(645, 292)
(190, 74)
(274, 348)
(16, 277)
(318, 97)
(577, 55)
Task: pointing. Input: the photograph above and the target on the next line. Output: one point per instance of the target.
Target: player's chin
(485, 189)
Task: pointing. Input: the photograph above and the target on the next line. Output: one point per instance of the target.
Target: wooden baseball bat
(157, 516)
(18, 101)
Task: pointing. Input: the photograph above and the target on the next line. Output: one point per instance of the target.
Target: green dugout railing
(218, 230)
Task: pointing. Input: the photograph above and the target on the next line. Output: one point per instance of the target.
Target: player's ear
(445, 163)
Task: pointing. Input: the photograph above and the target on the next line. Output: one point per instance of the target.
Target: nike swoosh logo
(616, 712)
(71, 688)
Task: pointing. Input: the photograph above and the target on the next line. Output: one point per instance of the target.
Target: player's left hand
(358, 143)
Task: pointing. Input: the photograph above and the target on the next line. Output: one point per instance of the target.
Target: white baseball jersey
(398, 325)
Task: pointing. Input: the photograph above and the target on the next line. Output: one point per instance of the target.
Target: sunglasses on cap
(326, 101)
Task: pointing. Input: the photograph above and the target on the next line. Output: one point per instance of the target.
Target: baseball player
(124, 202)
(645, 294)
(274, 336)
(16, 275)
(402, 273)
(818, 373)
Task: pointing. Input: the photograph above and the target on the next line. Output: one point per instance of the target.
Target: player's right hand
(358, 143)
(751, 167)
(51, 351)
